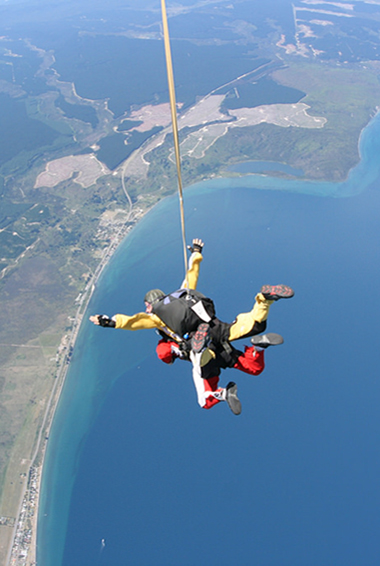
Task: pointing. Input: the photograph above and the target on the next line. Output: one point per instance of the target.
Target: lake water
(292, 481)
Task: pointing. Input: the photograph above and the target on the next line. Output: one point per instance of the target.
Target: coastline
(28, 492)
(122, 475)
(29, 501)
(30, 495)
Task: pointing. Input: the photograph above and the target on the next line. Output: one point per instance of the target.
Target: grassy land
(38, 293)
(347, 98)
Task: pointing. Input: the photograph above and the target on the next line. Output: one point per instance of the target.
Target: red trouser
(251, 362)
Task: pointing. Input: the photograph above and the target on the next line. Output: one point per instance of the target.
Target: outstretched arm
(139, 321)
(194, 264)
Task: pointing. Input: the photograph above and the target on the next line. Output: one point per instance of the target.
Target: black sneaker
(232, 398)
(201, 338)
(265, 340)
(276, 292)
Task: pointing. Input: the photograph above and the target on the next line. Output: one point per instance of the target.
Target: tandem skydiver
(187, 315)
(206, 377)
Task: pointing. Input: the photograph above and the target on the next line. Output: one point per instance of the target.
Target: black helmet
(153, 295)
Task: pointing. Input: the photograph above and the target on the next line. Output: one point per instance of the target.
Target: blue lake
(133, 460)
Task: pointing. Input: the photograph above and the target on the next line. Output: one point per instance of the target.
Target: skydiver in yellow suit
(179, 315)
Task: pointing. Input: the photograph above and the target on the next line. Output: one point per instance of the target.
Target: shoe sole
(275, 292)
(232, 398)
(265, 340)
(200, 338)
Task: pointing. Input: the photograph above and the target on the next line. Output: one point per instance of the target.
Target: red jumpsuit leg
(205, 387)
(211, 385)
(251, 361)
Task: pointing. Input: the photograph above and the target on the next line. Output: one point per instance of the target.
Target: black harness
(183, 311)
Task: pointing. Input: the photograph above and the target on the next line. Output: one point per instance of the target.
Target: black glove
(184, 350)
(185, 346)
(197, 246)
(106, 321)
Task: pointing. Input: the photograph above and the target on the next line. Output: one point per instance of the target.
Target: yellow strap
(173, 108)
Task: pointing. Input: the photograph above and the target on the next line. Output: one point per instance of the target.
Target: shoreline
(30, 495)
(29, 500)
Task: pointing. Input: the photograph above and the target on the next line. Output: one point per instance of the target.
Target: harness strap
(166, 330)
(201, 312)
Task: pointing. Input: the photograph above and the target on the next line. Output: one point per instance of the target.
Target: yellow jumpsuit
(241, 326)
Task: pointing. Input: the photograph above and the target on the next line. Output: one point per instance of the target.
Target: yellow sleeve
(193, 271)
(139, 321)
